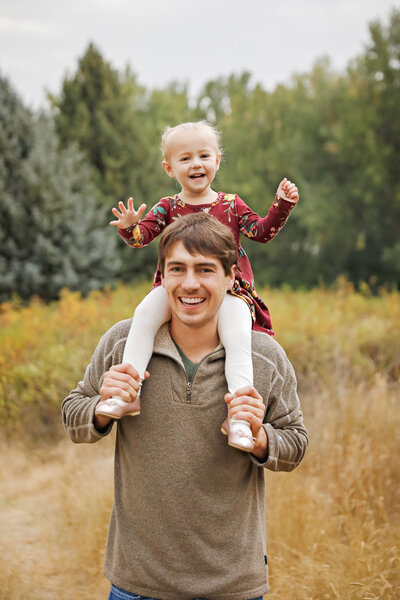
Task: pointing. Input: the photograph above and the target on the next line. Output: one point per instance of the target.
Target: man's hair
(200, 233)
(196, 127)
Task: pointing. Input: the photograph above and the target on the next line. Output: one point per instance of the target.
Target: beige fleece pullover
(188, 518)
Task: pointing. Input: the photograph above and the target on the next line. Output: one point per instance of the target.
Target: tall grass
(333, 524)
(44, 349)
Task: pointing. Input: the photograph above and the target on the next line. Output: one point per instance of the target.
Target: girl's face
(193, 159)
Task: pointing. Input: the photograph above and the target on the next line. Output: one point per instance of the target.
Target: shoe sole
(117, 418)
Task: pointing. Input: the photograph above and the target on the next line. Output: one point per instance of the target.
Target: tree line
(335, 134)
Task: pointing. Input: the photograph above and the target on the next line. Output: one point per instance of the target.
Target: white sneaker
(116, 408)
(239, 434)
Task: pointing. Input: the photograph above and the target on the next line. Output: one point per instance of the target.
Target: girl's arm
(264, 229)
(139, 233)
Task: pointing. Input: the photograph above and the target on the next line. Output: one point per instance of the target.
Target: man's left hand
(246, 404)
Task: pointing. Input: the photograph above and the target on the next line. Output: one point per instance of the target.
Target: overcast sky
(40, 40)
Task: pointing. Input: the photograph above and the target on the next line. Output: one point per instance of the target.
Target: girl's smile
(194, 161)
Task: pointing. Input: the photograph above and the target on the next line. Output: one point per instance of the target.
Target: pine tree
(53, 231)
(96, 110)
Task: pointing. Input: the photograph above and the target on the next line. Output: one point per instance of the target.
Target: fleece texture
(188, 518)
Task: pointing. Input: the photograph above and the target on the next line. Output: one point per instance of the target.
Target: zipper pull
(189, 392)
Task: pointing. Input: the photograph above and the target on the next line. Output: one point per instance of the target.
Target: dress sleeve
(263, 229)
(148, 228)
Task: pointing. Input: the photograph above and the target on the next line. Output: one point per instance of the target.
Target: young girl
(192, 155)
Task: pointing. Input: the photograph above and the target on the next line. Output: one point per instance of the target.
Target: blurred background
(306, 91)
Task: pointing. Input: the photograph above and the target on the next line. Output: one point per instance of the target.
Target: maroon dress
(233, 212)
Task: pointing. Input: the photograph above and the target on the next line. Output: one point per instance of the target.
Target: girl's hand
(288, 191)
(128, 216)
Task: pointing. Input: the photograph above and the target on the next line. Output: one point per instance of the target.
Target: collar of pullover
(163, 344)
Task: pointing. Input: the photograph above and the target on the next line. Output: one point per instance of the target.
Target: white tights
(234, 328)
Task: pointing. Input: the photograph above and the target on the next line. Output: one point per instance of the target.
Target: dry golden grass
(333, 524)
(54, 511)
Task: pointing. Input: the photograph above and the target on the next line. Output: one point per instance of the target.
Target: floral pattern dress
(232, 211)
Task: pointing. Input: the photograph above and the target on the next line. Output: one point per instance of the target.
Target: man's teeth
(192, 300)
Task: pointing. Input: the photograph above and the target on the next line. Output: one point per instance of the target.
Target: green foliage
(52, 229)
(336, 135)
(96, 110)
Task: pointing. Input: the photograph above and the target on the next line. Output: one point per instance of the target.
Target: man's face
(196, 286)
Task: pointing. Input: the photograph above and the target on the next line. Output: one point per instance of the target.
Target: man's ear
(167, 168)
(231, 278)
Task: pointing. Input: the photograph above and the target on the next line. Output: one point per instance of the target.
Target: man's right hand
(121, 381)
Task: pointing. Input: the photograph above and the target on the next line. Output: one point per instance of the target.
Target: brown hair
(200, 233)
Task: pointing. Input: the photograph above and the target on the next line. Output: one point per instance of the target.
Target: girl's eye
(184, 158)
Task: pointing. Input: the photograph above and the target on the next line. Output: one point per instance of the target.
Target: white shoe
(116, 408)
(239, 434)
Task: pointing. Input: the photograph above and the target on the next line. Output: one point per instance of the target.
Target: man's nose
(191, 280)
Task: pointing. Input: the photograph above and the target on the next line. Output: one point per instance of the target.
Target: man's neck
(194, 342)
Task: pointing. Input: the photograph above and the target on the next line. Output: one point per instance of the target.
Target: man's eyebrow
(173, 262)
(170, 263)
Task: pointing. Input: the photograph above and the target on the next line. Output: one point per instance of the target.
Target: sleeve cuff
(272, 459)
(126, 233)
(290, 203)
(99, 433)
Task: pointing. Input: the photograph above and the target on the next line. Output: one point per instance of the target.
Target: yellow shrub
(331, 337)
(45, 348)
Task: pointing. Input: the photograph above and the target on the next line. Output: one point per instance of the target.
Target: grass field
(333, 524)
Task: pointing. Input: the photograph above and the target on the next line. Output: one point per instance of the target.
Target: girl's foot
(239, 434)
(116, 408)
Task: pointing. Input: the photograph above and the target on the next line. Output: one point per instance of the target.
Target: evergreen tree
(96, 110)
(52, 229)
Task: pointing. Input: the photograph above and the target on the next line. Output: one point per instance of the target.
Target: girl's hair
(195, 127)
(200, 233)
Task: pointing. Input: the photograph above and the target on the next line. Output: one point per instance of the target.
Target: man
(188, 519)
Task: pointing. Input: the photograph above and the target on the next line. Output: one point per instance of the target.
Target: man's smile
(190, 301)
(196, 285)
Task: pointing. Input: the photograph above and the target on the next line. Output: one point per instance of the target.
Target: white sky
(165, 40)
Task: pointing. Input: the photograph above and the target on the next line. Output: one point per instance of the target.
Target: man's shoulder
(116, 332)
(267, 346)
(270, 360)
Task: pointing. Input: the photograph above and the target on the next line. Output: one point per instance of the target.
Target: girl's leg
(234, 328)
(149, 315)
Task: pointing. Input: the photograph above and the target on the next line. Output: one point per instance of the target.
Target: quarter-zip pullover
(188, 518)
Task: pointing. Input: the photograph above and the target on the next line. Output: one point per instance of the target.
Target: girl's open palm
(126, 217)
